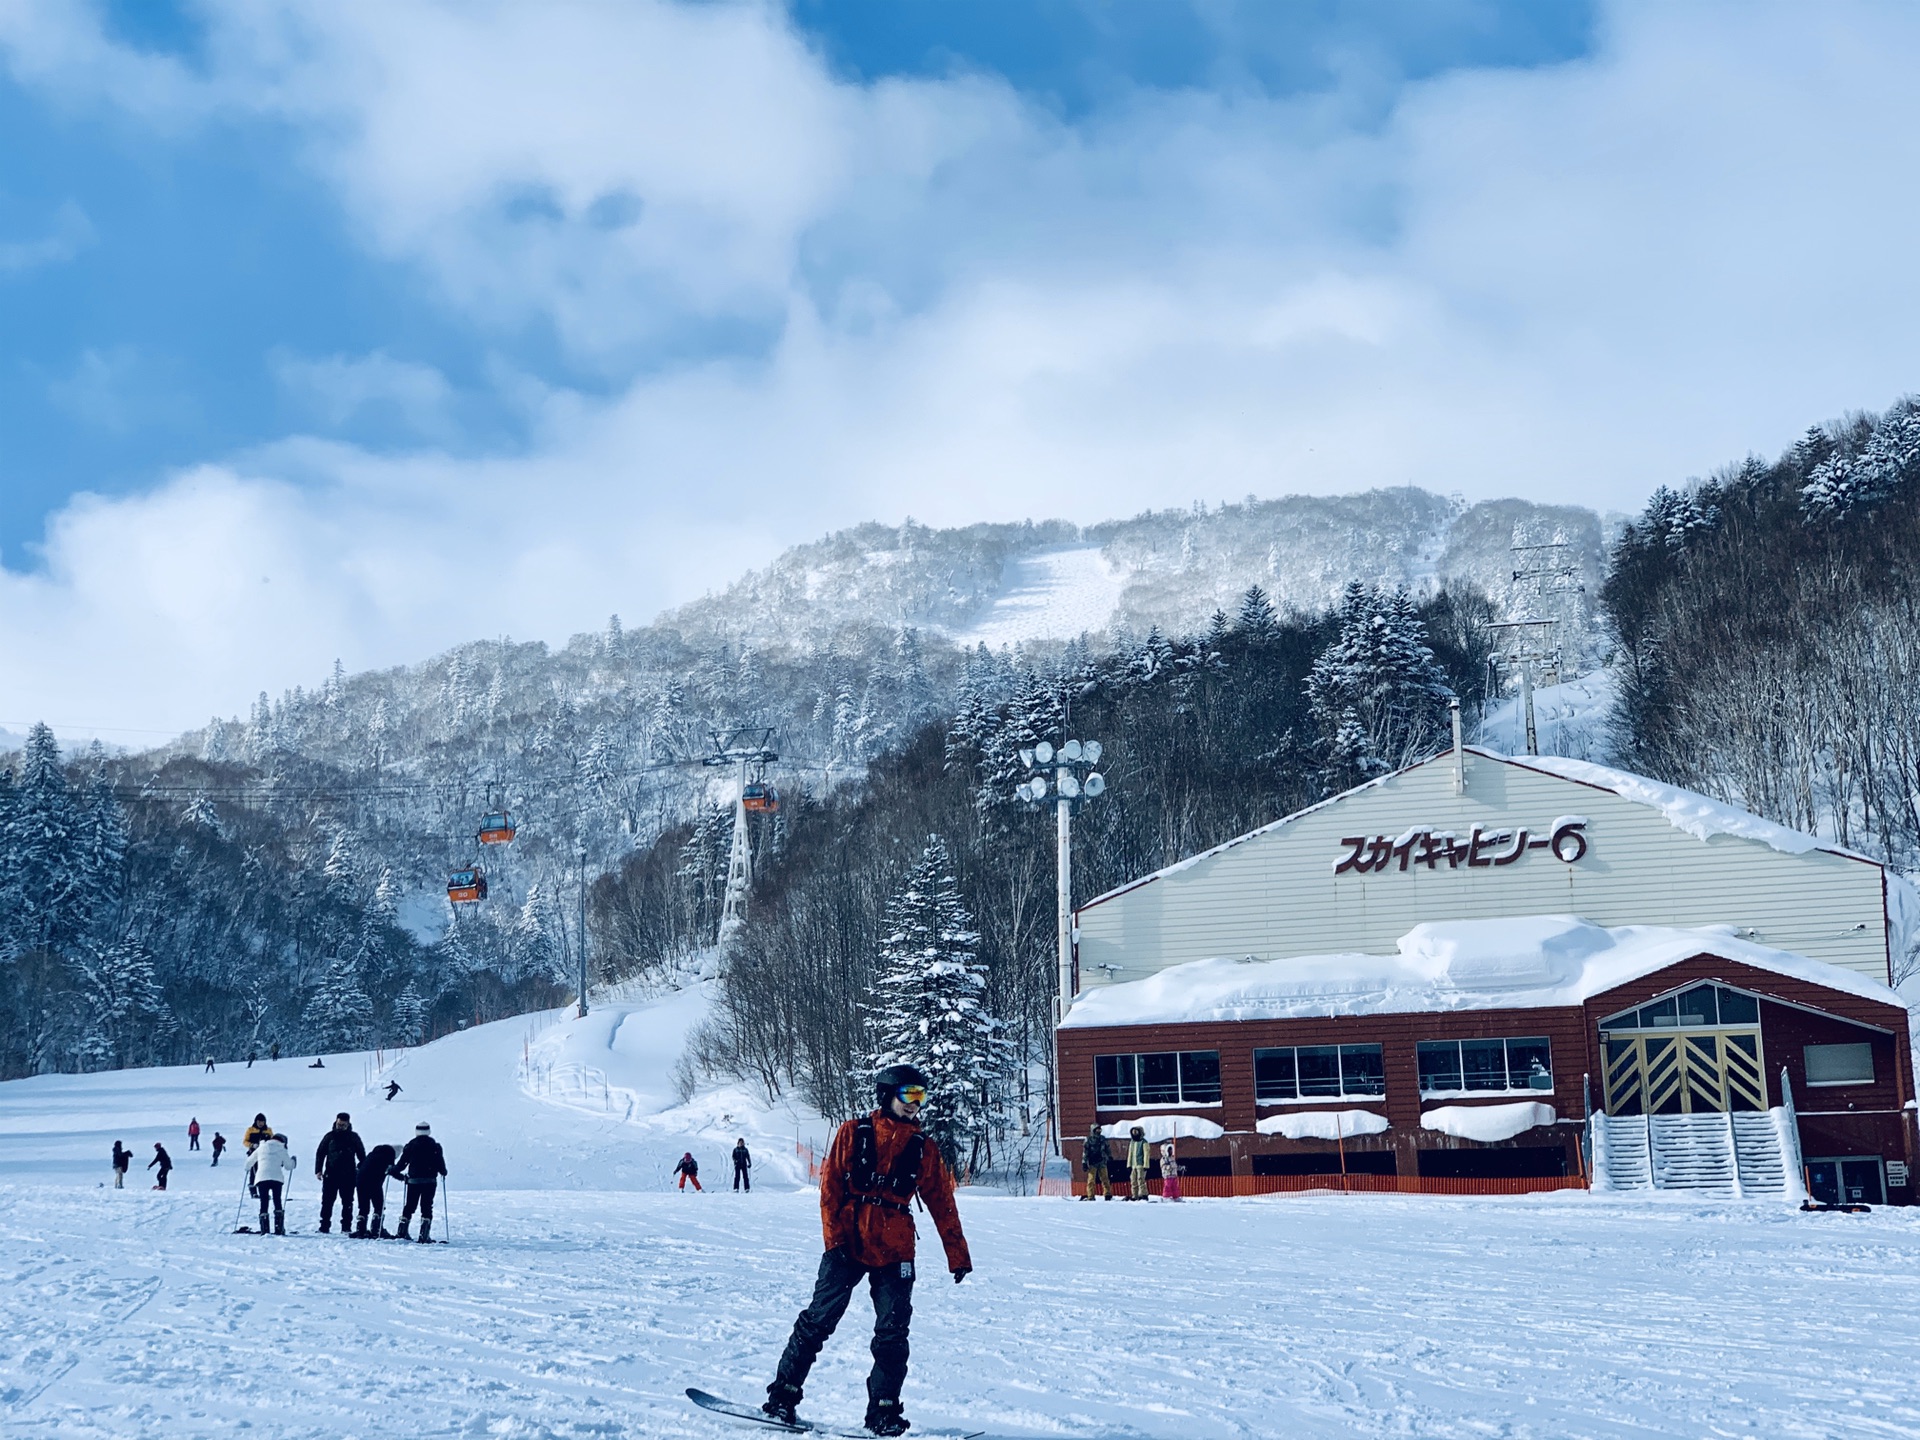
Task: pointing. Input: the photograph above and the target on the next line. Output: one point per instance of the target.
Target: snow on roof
(1516, 963)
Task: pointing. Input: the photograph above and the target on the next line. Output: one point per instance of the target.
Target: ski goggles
(912, 1094)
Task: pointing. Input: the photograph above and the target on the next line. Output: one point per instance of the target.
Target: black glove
(961, 1274)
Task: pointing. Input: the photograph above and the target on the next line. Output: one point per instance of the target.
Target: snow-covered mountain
(1008, 584)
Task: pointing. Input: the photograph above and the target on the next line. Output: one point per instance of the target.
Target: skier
(252, 1055)
(268, 1166)
(209, 1064)
(122, 1162)
(371, 1186)
(164, 1161)
(421, 1165)
(1094, 1160)
(688, 1169)
(742, 1164)
(219, 1144)
(1136, 1164)
(193, 1133)
(873, 1168)
(318, 1064)
(393, 1088)
(336, 1165)
(1169, 1173)
(256, 1132)
(273, 1051)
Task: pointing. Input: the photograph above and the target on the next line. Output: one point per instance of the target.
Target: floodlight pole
(580, 854)
(1063, 827)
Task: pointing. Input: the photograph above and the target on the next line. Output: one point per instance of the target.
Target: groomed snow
(580, 1297)
(1050, 595)
(1522, 962)
(1322, 1124)
(1487, 1123)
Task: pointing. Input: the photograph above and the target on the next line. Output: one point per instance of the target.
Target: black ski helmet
(888, 1082)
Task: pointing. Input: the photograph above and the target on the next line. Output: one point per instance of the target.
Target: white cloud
(1575, 282)
(70, 233)
(337, 389)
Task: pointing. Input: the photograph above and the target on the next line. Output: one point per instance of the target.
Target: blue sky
(308, 312)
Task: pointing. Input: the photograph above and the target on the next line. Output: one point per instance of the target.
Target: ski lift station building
(1486, 973)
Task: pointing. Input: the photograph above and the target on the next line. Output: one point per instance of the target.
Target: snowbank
(1521, 962)
(1323, 1124)
(1165, 1127)
(1487, 1123)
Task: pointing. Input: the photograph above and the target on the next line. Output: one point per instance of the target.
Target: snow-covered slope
(1570, 719)
(1050, 595)
(542, 1102)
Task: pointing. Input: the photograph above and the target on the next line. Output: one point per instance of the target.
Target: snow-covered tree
(338, 1014)
(409, 1015)
(125, 1010)
(1377, 695)
(40, 848)
(927, 1006)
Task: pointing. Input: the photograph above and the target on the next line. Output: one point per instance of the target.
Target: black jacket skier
(421, 1165)
(122, 1162)
(164, 1161)
(336, 1165)
(371, 1186)
(742, 1164)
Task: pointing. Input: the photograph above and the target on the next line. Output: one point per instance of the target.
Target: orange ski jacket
(872, 1224)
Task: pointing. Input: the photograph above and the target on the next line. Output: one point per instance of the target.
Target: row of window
(1332, 1072)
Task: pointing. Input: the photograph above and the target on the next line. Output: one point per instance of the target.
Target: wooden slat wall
(1274, 893)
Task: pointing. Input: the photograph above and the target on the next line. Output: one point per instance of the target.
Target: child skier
(1169, 1173)
(1136, 1164)
(688, 1169)
(873, 1169)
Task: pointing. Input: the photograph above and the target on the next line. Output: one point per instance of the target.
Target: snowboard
(754, 1415)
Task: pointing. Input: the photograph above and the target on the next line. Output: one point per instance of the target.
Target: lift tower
(745, 752)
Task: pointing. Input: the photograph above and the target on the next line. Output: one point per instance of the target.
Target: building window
(1314, 1072)
(1704, 1007)
(1839, 1064)
(1485, 1067)
(1168, 1077)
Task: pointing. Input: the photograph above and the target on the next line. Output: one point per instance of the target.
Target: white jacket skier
(270, 1161)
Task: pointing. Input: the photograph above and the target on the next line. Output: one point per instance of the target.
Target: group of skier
(1097, 1159)
(347, 1170)
(688, 1169)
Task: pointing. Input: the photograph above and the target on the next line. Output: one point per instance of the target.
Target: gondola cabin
(496, 829)
(761, 799)
(467, 887)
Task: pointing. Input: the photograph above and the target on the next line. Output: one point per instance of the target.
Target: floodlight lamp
(1096, 785)
(1070, 750)
(1090, 752)
(1043, 752)
(1037, 788)
(1069, 786)
(1026, 758)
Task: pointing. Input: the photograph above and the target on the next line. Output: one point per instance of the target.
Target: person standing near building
(164, 1161)
(1094, 1160)
(219, 1144)
(874, 1168)
(193, 1133)
(688, 1169)
(122, 1162)
(336, 1165)
(268, 1166)
(742, 1166)
(421, 1165)
(371, 1190)
(1169, 1172)
(1137, 1160)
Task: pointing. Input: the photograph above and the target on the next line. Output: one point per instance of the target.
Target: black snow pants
(892, 1289)
(419, 1197)
(270, 1190)
(742, 1179)
(373, 1202)
(336, 1187)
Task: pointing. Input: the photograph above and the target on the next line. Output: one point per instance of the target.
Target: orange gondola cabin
(760, 799)
(467, 887)
(496, 829)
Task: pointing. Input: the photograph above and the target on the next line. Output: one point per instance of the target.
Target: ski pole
(446, 1208)
(240, 1209)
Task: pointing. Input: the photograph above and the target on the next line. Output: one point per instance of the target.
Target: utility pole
(580, 857)
(1526, 655)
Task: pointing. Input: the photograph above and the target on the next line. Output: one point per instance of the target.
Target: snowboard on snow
(754, 1415)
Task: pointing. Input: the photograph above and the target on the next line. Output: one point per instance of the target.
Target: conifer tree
(1377, 695)
(40, 845)
(339, 1015)
(409, 1015)
(927, 1006)
(126, 1011)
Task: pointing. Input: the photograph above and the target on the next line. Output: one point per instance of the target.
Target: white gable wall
(1274, 893)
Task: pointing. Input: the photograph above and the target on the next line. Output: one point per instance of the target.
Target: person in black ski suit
(372, 1188)
(164, 1161)
(219, 1144)
(421, 1165)
(122, 1162)
(742, 1163)
(336, 1165)
(393, 1088)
